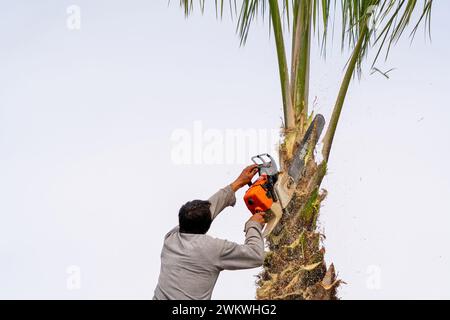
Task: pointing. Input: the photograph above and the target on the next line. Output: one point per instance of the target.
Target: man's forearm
(244, 178)
(235, 256)
(236, 185)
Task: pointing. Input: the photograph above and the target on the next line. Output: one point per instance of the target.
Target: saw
(262, 195)
(288, 180)
(273, 190)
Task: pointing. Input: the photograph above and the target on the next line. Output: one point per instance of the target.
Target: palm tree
(294, 267)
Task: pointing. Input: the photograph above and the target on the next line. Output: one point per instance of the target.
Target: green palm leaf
(390, 19)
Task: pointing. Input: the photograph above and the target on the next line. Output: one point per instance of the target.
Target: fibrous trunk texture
(294, 267)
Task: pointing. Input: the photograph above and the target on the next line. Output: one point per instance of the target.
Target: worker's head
(195, 217)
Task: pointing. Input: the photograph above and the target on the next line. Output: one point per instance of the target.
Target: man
(191, 260)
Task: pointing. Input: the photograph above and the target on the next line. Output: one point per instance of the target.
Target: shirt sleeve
(235, 256)
(223, 198)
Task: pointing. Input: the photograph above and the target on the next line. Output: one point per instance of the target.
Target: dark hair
(195, 217)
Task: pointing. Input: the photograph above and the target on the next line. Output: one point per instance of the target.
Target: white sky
(88, 178)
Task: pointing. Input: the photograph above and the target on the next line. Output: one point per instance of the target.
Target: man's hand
(258, 217)
(245, 177)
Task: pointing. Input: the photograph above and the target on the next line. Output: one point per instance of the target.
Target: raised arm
(235, 256)
(225, 197)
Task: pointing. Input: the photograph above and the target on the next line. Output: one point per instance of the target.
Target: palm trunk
(294, 267)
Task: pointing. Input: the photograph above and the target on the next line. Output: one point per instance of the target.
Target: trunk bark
(294, 267)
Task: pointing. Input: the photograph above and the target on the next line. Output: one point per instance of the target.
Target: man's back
(191, 263)
(187, 266)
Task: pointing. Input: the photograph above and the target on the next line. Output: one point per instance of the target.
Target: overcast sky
(111, 122)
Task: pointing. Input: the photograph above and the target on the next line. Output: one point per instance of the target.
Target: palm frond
(248, 10)
(393, 19)
(390, 18)
(365, 24)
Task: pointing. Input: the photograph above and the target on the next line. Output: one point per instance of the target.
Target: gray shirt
(191, 263)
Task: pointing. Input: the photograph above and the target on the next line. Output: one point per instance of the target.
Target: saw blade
(288, 181)
(309, 139)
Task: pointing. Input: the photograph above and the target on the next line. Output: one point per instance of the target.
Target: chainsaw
(262, 195)
(273, 190)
